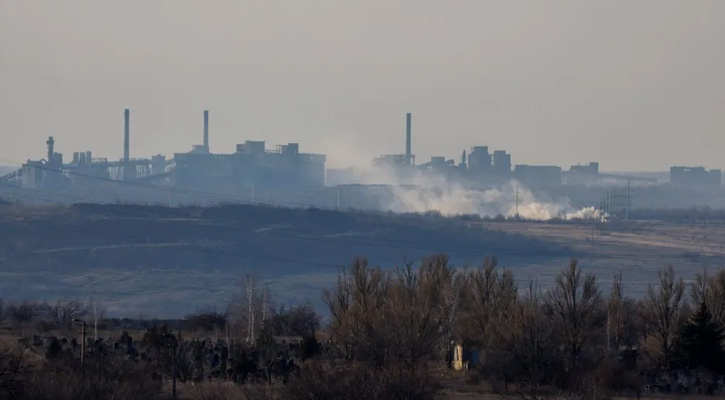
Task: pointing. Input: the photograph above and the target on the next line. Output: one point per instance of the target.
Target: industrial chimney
(51, 143)
(408, 154)
(206, 130)
(126, 137)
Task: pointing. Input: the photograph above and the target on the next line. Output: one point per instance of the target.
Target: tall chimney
(408, 154)
(126, 137)
(50, 142)
(206, 130)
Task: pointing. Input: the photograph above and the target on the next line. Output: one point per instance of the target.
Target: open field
(637, 248)
(167, 262)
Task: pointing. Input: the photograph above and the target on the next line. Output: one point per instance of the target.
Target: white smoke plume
(420, 192)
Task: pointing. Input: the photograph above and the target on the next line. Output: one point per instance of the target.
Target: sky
(633, 84)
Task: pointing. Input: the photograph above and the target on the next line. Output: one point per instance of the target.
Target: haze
(635, 85)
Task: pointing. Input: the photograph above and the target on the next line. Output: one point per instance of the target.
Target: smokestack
(50, 142)
(206, 130)
(126, 137)
(408, 154)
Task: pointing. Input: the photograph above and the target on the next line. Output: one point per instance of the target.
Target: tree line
(392, 333)
(531, 341)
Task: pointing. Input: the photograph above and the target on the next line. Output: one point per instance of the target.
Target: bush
(322, 379)
(106, 378)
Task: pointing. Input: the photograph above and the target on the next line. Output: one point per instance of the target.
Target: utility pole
(250, 289)
(425, 196)
(173, 344)
(173, 371)
(265, 292)
(609, 340)
(626, 211)
(83, 341)
(95, 319)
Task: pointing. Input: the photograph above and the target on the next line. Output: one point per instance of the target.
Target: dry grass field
(165, 263)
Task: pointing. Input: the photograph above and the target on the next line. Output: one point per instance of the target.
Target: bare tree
(575, 308)
(361, 323)
(451, 309)
(339, 302)
(265, 303)
(661, 309)
(532, 345)
(717, 301)
(250, 307)
(250, 290)
(417, 307)
(710, 290)
(615, 313)
(62, 312)
(488, 297)
(97, 310)
(12, 369)
(301, 320)
(23, 312)
(700, 288)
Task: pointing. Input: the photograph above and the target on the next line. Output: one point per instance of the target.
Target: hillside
(167, 262)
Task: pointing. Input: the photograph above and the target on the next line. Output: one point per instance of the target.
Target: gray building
(695, 177)
(538, 176)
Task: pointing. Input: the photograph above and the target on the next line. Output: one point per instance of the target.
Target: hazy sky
(633, 84)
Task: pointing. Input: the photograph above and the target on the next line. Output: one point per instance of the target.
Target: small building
(457, 362)
(463, 356)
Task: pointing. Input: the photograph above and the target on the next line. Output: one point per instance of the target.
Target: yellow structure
(458, 364)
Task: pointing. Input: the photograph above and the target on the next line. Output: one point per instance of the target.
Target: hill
(166, 262)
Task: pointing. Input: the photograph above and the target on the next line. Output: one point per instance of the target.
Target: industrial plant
(251, 164)
(252, 172)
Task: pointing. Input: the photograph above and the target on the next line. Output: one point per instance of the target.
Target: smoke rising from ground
(420, 192)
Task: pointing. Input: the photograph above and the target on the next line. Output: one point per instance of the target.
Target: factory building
(252, 165)
(479, 161)
(285, 166)
(252, 171)
(399, 160)
(582, 174)
(501, 163)
(201, 169)
(391, 161)
(695, 177)
(538, 176)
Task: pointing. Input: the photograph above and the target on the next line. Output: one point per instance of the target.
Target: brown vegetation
(390, 335)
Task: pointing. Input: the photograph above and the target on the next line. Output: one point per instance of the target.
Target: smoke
(418, 192)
